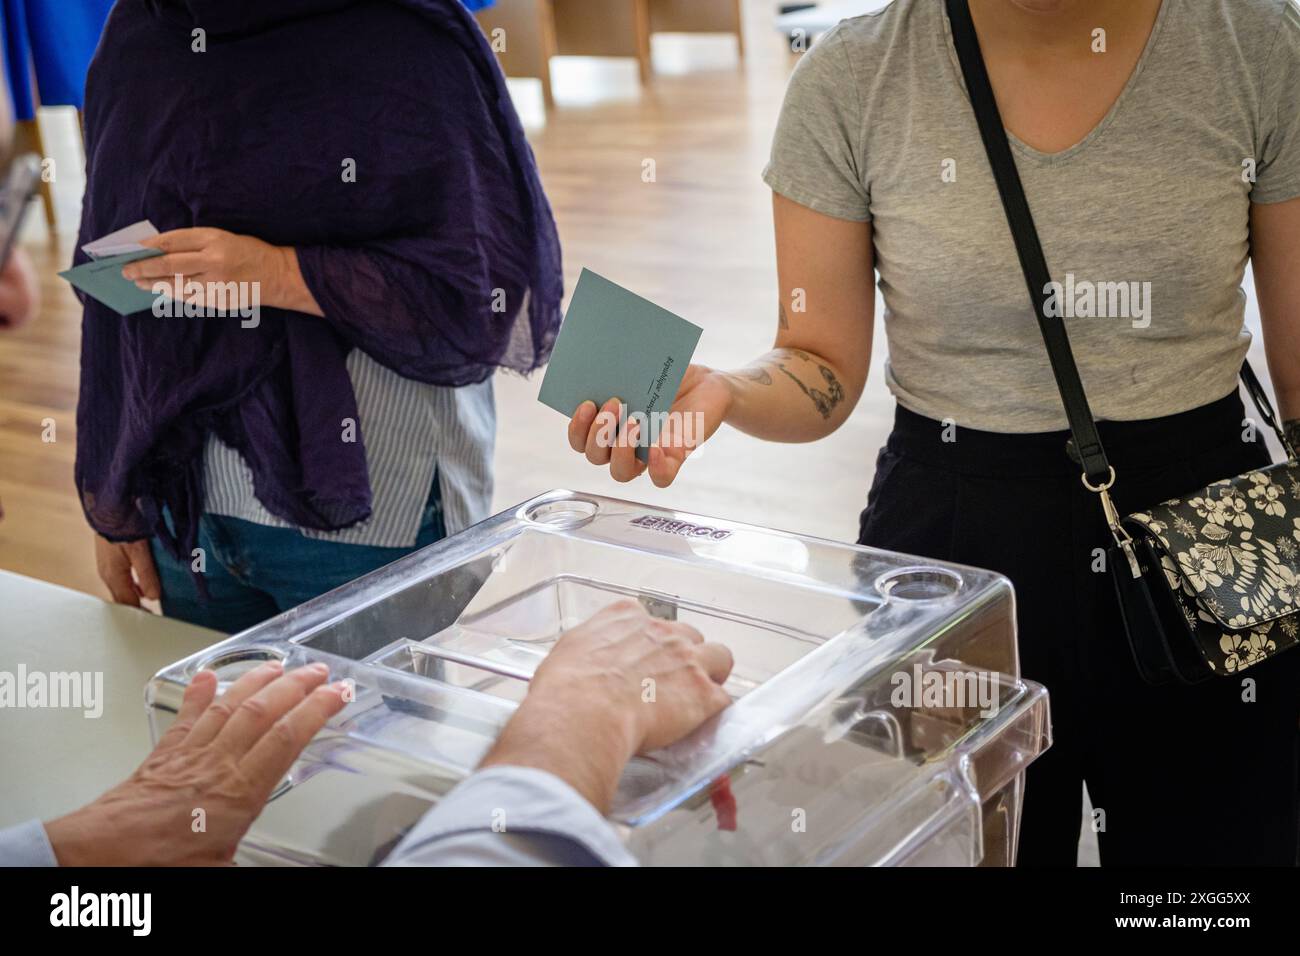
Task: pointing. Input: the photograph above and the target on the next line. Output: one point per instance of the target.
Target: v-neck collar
(1016, 142)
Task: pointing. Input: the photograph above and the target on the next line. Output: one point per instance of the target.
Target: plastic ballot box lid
(878, 713)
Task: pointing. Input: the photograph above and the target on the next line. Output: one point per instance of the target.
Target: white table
(55, 760)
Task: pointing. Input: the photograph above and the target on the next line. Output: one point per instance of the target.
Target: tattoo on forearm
(782, 322)
(1292, 430)
(824, 400)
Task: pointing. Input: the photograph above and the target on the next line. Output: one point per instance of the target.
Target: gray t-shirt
(1145, 222)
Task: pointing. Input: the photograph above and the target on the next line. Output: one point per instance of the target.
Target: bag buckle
(1117, 531)
(1287, 448)
(1283, 439)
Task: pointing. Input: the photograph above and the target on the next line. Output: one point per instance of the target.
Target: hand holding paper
(621, 369)
(701, 407)
(212, 271)
(101, 278)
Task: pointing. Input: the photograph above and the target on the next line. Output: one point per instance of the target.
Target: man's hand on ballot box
(198, 792)
(619, 684)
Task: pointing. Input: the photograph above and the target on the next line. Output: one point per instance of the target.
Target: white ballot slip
(124, 240)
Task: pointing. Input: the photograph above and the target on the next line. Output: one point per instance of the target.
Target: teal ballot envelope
(101, 279)
(615, 343)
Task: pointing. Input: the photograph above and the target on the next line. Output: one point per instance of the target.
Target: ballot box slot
(447, 666)
(433, 660)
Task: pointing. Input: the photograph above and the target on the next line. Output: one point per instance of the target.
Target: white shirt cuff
(26, 845)
(495, 804)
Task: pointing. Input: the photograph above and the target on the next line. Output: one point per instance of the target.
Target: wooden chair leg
(642, 23)
(27, 138)
(528, 28)
(546, 30)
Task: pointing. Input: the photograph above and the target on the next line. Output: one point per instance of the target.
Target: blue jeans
(255, 571)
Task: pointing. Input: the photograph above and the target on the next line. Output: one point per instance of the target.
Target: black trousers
(1179, 775)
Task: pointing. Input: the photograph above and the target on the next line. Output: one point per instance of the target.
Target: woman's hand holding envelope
(801, 390)
(702, 404)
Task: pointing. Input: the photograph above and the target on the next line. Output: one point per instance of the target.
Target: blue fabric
(477, 4)
(18, 80)
(57, 39)
(255, 571)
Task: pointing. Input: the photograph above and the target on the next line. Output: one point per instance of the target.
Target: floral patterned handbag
(1208, 584)
(1220, 565)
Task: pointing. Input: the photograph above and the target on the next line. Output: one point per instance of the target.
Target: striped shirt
(411, 431)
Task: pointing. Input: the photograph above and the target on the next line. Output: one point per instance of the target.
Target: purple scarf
(445, 222)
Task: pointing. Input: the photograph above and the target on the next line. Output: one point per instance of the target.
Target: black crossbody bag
(1208, 584)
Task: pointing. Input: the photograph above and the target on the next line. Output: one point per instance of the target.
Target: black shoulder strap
(1259, 395)
(1086, 440)
(1082, 425)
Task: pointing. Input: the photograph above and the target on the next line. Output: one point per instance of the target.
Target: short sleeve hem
(792, 189)
(1276, 192)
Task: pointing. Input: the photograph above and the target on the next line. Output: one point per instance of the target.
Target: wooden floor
(697, 240)
(43, 533)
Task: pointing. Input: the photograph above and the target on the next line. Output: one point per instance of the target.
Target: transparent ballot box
(878, 714)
